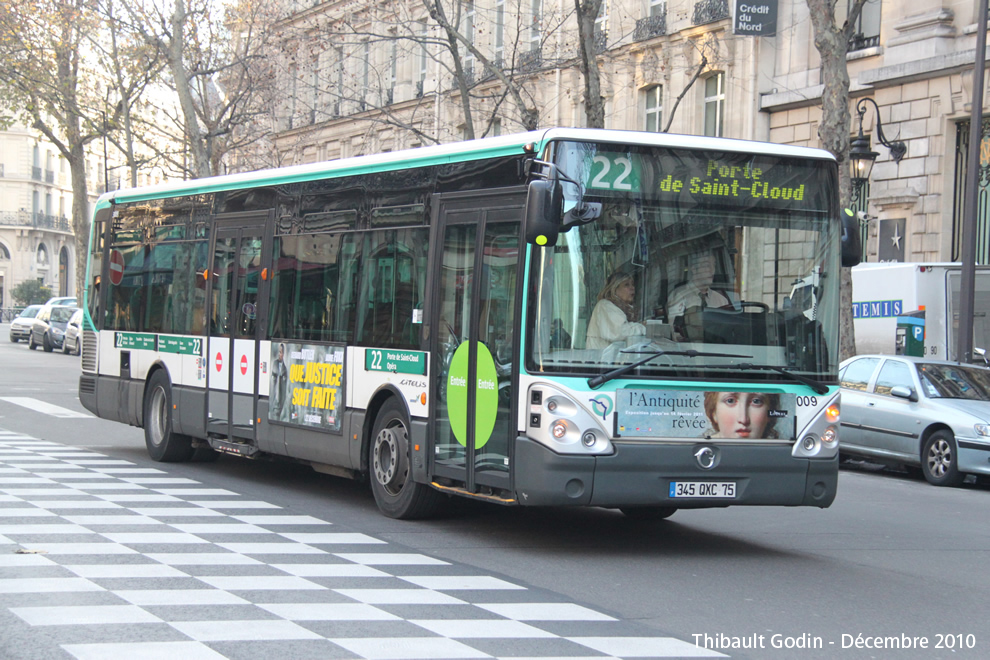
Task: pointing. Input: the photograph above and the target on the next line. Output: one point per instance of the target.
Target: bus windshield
(692, 256)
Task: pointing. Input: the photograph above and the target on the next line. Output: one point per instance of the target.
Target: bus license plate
(713, 489)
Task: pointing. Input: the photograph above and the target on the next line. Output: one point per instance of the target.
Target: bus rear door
(240, 264)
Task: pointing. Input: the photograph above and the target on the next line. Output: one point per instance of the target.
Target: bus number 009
(807, 401)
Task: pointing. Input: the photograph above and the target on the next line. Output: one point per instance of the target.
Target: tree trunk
(594, 106)
(182, 79)
(80, 214)
(832, 42)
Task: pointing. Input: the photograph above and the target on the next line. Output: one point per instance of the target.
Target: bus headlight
(559, 421)
(829, 436)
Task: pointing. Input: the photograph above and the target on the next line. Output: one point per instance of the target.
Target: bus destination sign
(397, 362)
(712, 179)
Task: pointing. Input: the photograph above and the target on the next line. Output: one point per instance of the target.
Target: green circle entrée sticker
(486, 395)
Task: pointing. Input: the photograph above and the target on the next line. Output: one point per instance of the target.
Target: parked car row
(916, 412)
(56, 324)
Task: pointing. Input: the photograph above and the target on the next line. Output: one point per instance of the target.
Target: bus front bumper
(640, 474)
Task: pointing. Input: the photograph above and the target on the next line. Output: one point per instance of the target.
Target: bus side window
(391, 287)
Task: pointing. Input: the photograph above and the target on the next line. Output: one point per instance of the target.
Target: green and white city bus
(564, 317)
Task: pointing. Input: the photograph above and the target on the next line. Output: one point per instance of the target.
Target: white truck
(913, 309)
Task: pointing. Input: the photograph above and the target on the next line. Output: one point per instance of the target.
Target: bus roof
(448, 153)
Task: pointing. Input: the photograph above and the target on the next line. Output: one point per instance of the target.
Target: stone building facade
(673, 65)
(36, 238)
(915, 60)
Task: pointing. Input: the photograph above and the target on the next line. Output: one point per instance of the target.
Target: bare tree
(215, 56)
(343, 61)
(832, 41)
(132, 67)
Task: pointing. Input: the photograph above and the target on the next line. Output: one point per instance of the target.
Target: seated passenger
(696, 292)
(614, 317)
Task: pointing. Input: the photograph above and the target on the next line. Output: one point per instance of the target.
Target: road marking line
(45, 408)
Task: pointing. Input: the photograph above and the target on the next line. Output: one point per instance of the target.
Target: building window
(469, 34)
(423, 59)
(867, 31)
(653, 103)
(601, 27)
(499, 45)
(714, 104)
(534, 30)
(658, 7)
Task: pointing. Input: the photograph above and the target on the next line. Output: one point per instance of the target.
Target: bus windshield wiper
(817, 386)
(598, 381)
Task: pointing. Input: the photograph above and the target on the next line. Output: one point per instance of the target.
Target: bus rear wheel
(648, 512)
(389, 466)
(164, 445)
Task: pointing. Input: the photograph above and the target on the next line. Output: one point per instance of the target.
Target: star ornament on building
(896, 239)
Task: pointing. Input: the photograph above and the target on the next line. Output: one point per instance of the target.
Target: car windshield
(680, 251)
(953, 381)
(30, 312)
(61, 314)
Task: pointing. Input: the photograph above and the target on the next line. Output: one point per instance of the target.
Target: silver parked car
(917, 412)
(73, 331)
(20, 327)
(48, 329)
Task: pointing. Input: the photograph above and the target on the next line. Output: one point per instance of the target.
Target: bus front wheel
(164, 445)
(396, 494)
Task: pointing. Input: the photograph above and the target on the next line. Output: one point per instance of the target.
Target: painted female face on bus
(738, 414)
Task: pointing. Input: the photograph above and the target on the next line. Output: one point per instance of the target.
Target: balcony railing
(35, 220)
(860, 42)
(36, 173)
(601, 39)
(531, 61)
(49, 176)
(651, 26)
(709, 11)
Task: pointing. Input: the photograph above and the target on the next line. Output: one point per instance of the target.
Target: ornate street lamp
(862, 157)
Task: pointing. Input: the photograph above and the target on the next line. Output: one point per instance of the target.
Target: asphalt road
(892, 558)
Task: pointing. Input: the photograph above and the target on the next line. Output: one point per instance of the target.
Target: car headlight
(982, 429)
(57, 332)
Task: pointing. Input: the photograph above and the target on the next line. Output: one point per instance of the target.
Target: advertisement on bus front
(680, 414)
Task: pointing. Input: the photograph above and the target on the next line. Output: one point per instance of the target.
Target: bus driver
(696, 292)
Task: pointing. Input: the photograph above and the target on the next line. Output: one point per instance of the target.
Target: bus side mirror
(544, 208)
(852, 246)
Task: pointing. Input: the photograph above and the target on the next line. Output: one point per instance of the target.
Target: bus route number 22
(611, 173)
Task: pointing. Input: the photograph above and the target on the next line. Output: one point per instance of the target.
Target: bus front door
(473, 340)
(238, 271)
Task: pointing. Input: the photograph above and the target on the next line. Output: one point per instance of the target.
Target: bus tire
(396, 494)
(940, 460)
(646, 513)
(164, 445)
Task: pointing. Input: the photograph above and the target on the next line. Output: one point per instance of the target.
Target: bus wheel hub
(386, 456)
